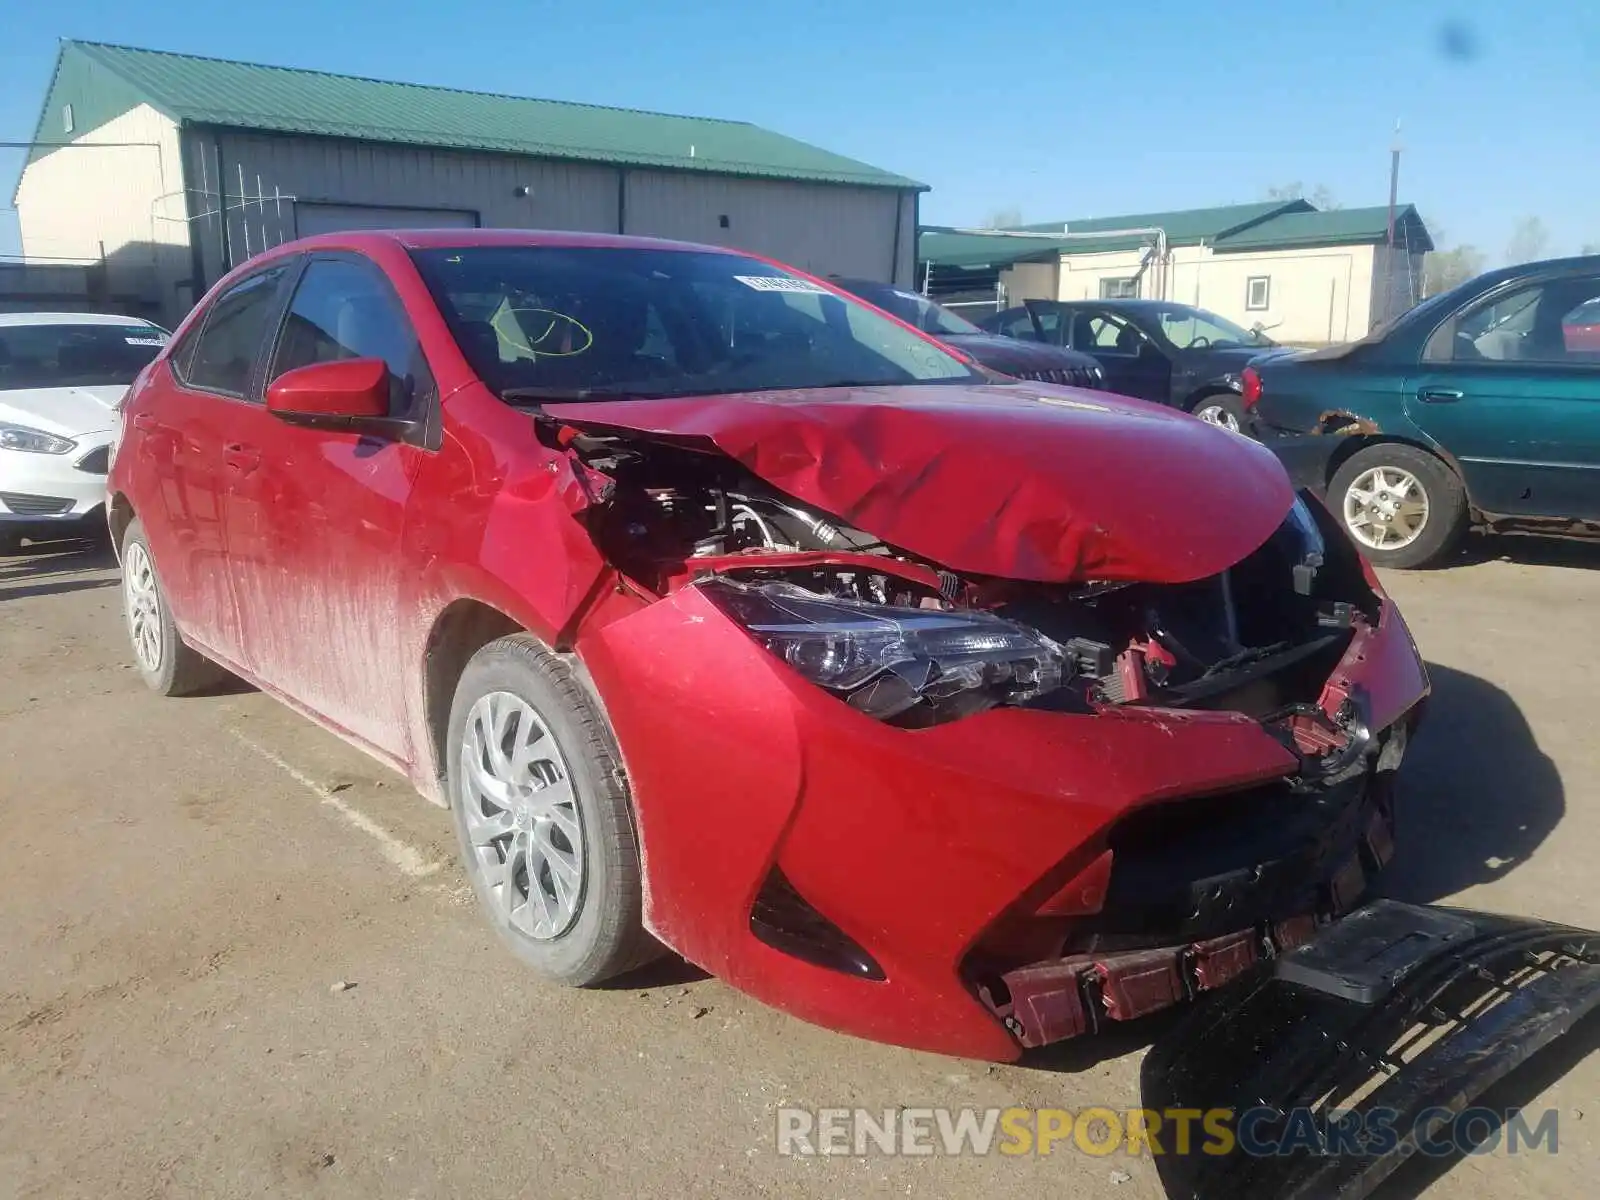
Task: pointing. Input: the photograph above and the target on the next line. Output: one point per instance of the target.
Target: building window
(1119, 289)
(66, 117)
(1257, 293)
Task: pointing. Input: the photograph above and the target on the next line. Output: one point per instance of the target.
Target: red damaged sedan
(729, 614)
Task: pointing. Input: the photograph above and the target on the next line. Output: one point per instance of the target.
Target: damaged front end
(1159, 784)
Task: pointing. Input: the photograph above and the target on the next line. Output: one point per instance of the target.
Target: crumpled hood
(69, 412)
(1027, 482)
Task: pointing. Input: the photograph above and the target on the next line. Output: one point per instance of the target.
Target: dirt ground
(185, 883)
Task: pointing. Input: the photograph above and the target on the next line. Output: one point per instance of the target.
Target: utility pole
(1394, 197)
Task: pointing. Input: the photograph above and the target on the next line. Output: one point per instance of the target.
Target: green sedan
(1480, 406)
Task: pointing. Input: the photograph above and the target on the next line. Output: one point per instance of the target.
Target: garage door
(332, 218)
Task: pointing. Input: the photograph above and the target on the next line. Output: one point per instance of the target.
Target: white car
(61, 377)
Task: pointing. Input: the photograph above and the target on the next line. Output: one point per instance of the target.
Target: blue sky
(1057, 110)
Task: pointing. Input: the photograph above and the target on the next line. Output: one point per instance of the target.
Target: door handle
(241, 458)
(1431, 395)
(144, 422)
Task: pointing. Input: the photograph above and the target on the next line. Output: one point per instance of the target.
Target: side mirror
(350, 395)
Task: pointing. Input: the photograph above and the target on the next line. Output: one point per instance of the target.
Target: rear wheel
(543, 815)
(1403, 506)
(165, 662)
(1221, 408)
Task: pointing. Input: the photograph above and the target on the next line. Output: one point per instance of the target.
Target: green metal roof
(946, 248)
(1184, 227)
(1270, 225)
(1335, 227)
(242, 95)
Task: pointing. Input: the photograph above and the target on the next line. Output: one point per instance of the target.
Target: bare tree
(1590, 248)
(1529, 241)
(1443, 269)
(1003, 218)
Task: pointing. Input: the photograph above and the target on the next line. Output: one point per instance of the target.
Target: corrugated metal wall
(821, 228)
(824, 228)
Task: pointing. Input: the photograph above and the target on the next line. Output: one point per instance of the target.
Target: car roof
(11, 319)
(453, 239)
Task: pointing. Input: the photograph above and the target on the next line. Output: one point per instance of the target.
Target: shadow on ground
(44, 570)
(1529, 550)
(1477, 795)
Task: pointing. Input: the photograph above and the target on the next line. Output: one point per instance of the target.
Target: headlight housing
(33, 441)
(911, 666)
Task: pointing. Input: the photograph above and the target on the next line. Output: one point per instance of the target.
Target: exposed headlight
(922, 665)
(34, 441)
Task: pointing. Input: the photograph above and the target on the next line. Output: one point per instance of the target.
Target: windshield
(1196, 329)
(645, 323)
(916, 311)
(75, 355)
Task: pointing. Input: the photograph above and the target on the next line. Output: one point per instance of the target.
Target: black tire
(179, 669)
(606, 935)
(1228, 407)
(1446, 522)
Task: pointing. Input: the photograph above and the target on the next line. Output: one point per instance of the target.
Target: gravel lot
(185, 883)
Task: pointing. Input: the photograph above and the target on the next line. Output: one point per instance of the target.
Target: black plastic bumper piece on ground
(1395, 1008)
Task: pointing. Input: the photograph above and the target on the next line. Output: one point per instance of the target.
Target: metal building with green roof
(171, 168)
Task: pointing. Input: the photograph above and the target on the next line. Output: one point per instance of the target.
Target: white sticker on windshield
(151, 339)
(782, 283)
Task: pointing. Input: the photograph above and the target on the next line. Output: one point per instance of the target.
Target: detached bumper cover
(1343, 1055)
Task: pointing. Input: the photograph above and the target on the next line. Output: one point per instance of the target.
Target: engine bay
(1260, 638)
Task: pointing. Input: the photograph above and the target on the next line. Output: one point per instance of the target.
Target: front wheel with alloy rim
(166, 663)
(1403, 506)
(544, 816)
(1222, 409)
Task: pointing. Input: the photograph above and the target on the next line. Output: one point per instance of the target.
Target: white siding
(1315, 295)
(827, 229)
(118, 204)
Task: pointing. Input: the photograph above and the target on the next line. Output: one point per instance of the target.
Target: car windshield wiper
(554, 395)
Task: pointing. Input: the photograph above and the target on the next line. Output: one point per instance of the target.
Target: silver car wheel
(1385, 508)
(522, 817)
(142, 600)
(1216, 414)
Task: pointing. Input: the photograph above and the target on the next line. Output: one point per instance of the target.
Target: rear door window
(230, 343)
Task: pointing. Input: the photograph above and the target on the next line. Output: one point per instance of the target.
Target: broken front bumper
(859, 875)
(1349, 1054)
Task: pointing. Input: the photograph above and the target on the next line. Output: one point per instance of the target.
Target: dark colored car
(729, 614)
(1173, 354)
(1479, 406)
(1047, 364)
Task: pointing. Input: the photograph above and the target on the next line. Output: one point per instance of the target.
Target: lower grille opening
(783, 919)
(96, 462)
(34, 506)
(1206, 866)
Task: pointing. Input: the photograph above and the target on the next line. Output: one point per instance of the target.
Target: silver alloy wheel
(522, 816)
(1216, 414)
(143, 602)
(1386, 508)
